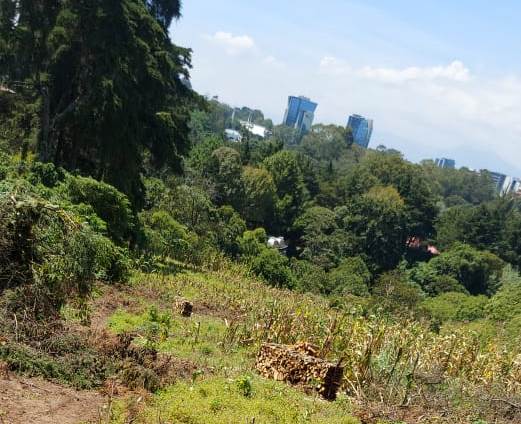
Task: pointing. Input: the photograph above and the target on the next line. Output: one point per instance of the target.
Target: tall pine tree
(110, 83)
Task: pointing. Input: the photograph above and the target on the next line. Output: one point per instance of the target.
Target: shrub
(252, 243)
(432, 282)
(456, 307)
(309, 277)
(274, 268)
(165, 236)
(350, 277)
(107, 202)
(393, 292)
(479, 271)
(46, 174)
(47, 254)
(506, 303)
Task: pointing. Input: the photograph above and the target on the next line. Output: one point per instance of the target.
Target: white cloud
(233, 44)
(274, 62)
(430, 110)
(455, 71)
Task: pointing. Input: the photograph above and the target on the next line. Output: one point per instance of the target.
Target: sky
(440, 78)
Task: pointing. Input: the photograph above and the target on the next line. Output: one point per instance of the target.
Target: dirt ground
(36, 401)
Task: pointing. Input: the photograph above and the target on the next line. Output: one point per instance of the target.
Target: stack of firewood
(295, 366)
(184, 307)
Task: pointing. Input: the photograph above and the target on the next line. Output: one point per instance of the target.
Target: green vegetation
(117, 185)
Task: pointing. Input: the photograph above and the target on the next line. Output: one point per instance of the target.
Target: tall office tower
(446, 163)
(300, 113)
(498, 179)
(362, 129)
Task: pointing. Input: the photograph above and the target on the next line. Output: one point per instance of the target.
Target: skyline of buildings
(362, 129)
(300, 113)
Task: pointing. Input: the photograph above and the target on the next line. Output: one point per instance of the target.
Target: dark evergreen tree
(110, 84)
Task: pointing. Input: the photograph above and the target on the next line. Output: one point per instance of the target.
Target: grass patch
(217, 400)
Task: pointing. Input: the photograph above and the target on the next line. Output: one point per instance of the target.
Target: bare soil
(36, 401)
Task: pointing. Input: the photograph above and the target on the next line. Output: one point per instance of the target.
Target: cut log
(291, 365)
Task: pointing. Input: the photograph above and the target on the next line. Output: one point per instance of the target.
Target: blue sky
(439, 78)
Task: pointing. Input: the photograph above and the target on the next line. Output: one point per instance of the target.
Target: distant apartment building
(362, 129)
(498, 179)
(511, 185)
(300, 113)
(445, 163)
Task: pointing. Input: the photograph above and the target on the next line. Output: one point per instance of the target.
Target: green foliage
(506, 303)
(478, 271)
(273, 267)
(83, 370)
(244, 386)
(457, 185)
(493, 226)
(252, 243)
(350, 277)
(412, 185)
(309, 277)
(137, 104)
(318, 229)
(326, 142)
(165, 236)
(225, 170)
(107, 202)
(289, 182)
(376, 224)
(432, 282)
(46, 174)
(48, 255)
(229, 229)
(392, 292)
(456, 307)
(200, 157)
(259, 195)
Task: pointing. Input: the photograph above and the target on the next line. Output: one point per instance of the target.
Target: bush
(107, 202)
(165, 236)
(455, 307)
(479, 271)
(46, 174)
(506, 303)
(273, 267)
(350, 277)
(393, 292)
(432, 282)
(252, 243)
(309, 277)
(48, 255)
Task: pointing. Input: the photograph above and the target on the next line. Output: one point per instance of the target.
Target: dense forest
(111, 166)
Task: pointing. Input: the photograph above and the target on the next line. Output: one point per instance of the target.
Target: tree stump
(184, 307)
(293, 365)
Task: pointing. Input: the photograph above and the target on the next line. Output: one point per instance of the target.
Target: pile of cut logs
(298, 365)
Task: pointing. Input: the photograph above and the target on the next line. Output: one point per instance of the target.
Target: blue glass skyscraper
(300, 113)
(362, 129)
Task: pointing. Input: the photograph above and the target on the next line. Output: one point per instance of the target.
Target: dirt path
(36, 401)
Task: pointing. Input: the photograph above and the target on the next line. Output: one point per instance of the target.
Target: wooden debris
(292, 364)
(184, 307)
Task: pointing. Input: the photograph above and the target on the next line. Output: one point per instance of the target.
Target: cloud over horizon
(233, 44)
(455, 71)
